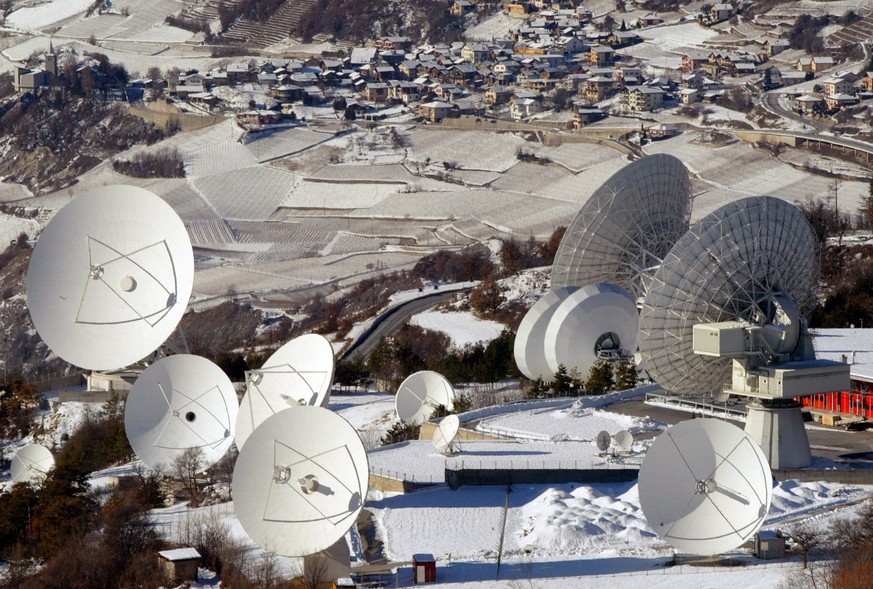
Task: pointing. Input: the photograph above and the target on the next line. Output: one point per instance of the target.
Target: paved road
(393, 319)
(825, 442)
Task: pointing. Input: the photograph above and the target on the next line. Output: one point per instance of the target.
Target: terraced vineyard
(277, 28)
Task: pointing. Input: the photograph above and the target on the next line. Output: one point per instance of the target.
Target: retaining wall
(477, 477)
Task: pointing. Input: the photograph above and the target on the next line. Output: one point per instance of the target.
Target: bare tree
(185, 468)
(315, 570)
(807, 538)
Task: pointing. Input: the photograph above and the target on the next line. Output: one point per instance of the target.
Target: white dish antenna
(705, 486)
(595, 321)
(110, 277)
(753, 260)
(446, 433)
(420, 394)
(300, 481)
(529, 347)
(603, 441)
(298, 373)
(180, 402)
(624, 440)
(31, 464)
(626, 227)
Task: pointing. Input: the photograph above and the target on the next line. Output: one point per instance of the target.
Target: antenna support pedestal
(777, 426)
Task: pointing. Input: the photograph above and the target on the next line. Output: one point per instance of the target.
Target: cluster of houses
(558, 58)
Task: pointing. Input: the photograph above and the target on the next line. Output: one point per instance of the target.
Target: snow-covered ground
(462, 327)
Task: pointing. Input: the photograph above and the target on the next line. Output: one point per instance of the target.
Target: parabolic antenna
(626, 227)
(603, 441)
(298, 373)
(705, 486)
(445, 433)
(595, 321)
(31, 463)
(753, 260)
(300, 481)
(180, 402)
(529, 347)
(624, 439)
(420, 394)
(110, 277)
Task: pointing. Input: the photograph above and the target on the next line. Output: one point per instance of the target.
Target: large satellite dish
(31, 464)
(298, 373)
(626, 227)
(529, 347)
(595, 321)
(300, 481)
(446, 433)
(753, 260)
(420, 394)
(180, 402)
(705, 486)
(110, 277)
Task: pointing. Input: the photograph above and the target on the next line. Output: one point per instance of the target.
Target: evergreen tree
(561, 383)
(625, 374)
(600, 379)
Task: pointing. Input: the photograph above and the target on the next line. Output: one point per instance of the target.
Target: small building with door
(423, 569)
(180, 564)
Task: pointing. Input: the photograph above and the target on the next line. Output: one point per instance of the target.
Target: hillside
(48, 141)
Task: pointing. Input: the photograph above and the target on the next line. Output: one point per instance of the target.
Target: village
(557, 63)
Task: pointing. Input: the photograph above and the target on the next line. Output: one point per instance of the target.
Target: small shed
(180, 564)
(423, 568)
(769, 545)
(344, 583)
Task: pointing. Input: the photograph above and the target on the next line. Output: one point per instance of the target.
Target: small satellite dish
(180, 402)
(705, 486)
(529, 347)
(603, 441)
(31, 464)
(300, 481)
(110, 277)
(446, 433)
(420, 394)
(298, 373)
(624, 439)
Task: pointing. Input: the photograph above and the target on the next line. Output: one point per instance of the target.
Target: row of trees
(606, 375)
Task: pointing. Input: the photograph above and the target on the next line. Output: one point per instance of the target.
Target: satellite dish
(624, 439)
(420, 394)
(752, 260)
(300, 481)
(529, 347)
(595, 321)
(603, 441)
(298, 373)
(110, 277)
(626, 227)
(31, 464)
(446, 433)
(180, 402)
(705, 486)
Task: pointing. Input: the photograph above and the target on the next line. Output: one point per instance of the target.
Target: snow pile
(792, 498)
(575, 519)
(463, 328)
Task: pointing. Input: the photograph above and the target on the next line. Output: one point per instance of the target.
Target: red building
(423, 568)
(854, 346)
